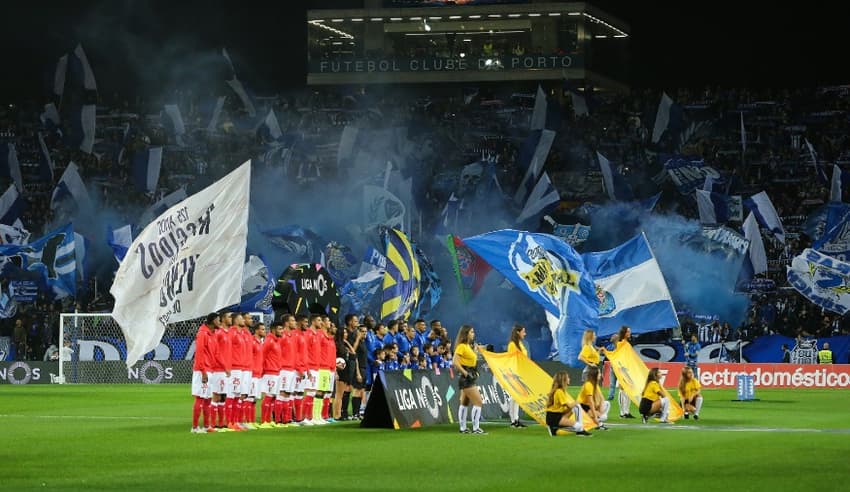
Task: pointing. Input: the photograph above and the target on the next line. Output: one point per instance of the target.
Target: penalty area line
(88, 417)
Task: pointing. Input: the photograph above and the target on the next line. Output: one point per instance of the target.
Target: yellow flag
(631, 376)
(526, 382)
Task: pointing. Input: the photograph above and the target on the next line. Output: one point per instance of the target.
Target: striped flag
(765, 213)
(59, 75)
(542, 196)
(146, 167)
(401, 278)
(9, 165)
(89, 82)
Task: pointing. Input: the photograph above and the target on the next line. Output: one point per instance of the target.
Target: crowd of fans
(454, 126)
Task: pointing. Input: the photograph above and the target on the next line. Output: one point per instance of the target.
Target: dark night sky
(672, 43)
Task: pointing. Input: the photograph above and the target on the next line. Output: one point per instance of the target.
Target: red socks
(326, 408)
(196, 411)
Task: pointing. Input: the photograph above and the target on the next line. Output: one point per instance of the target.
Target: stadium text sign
(715, 375)
(433, 64)
(31, 372)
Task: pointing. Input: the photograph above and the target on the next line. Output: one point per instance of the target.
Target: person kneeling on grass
(689, 393)
(561, 411)
(653, 399)
(590, 398)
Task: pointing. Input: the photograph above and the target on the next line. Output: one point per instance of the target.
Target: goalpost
(98, 352)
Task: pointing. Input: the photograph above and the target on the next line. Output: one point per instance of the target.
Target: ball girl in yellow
(516, 344)
(465, 362)
(561, 410)
(591, 401)
(653, 400)
(689, 393)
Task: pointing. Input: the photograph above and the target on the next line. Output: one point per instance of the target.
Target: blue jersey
(692, 353)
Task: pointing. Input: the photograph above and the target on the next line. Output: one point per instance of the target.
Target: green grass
(137, 438)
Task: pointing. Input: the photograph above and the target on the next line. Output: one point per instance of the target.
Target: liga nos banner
(778, 375)
(184, 264)
(416, 398)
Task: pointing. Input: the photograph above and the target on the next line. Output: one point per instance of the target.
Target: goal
(97, 352)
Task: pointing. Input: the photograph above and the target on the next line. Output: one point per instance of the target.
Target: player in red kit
(239, 366)
(221, 367)
(201, 371)
(255, 391)
(270, 382)
(289, 375)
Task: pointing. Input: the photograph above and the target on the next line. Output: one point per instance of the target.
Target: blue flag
(257, 286)
(49, 261)
(146, 167)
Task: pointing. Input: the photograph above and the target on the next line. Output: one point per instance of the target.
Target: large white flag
(185, 264)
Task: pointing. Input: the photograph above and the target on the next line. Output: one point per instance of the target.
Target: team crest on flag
(543, 271)
(606, 301)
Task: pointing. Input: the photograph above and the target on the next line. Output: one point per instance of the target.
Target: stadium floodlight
(337, 20)
(554, 14)
(395, 18)
(357, 19)
(574, 13)
(475, 16)
(462, 54)
(425, 25)
(488, 62)
(534, 15)
(495, 16)
(514, 15)
(376, 19)
(601, 36)
(454, 17)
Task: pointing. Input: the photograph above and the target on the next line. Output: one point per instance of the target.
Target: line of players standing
(290, 369)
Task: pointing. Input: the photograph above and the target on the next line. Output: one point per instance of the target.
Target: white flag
(185, 264)
(758, 258)
(59, 75)
(538, 116)
(835, 185)
(662, 117)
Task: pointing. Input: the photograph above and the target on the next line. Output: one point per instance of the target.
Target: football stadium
(528, 245)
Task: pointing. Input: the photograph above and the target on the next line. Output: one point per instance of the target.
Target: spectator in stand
(786, 354)
(20, 335)
(465, 361)
(825, 354)
(516, 344)
(692, 349)
(689, 393)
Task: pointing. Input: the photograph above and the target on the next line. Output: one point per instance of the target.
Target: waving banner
(821, 279)
(184, 264)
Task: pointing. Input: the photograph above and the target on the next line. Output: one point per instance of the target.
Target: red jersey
(248, 348)
(313, 349)
(288, 347)
(204, 347)
(299, 346)
(223, 358)
(257, 355)
(271, 348)
(328, 352)
(237, 347)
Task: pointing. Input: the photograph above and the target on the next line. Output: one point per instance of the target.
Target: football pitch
(136, 437)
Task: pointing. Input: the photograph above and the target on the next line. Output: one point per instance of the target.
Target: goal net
(97, 352)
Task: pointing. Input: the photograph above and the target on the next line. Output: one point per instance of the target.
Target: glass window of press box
(598, 44)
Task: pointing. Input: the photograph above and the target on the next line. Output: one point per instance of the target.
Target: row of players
(290, 369)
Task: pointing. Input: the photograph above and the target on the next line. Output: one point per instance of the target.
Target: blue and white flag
(120, 240)
(835, 189)
(9, 165)
(146, 167)
(541, 265)
(304, 244)
(269, 128)
(11, 206)
(543, 196)
(71, 190)
(257, 286)
(361, 295)
(821, 279)
(8, 307)
(532, 156)
(86, 74)
(14, 234)
(176, 126)
(630, 288)
(49, 261)
(757, 255)
(687, 172)
(83, 128)
(819, 170)
(59, 75)
(81, 255)
(766, 215)
(835, 240)
(717, 208)
(237, 87)
(615, 184)
(50, 115)
(45, 163)
(538, 116)
(662, 117)
(219, 105)
(382, 208)
(162, 205)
